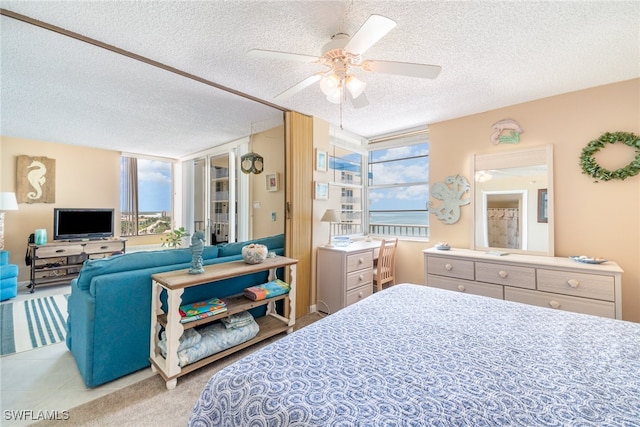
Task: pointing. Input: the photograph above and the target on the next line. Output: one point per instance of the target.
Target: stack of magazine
(202, 309)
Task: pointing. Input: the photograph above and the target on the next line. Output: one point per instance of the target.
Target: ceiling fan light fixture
(329, 84)
(355, 86)
(335, 96)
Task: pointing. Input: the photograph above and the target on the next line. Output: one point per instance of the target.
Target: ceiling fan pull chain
(341, 103)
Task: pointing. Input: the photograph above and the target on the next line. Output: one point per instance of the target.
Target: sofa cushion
(4, 257)
(9, 270)
(137, 261)
(271, 242)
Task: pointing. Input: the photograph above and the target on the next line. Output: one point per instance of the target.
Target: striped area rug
(32, 323)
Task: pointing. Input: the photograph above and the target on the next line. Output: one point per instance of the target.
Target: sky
(154, 186)
(401, 165)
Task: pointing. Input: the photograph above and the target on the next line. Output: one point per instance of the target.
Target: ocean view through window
(398, 188)
(145, 196)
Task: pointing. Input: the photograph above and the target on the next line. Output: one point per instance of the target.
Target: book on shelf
(201, 309)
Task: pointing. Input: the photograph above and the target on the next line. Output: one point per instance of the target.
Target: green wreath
(591, 167)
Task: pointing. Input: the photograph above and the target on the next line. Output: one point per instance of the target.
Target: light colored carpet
(149, 403)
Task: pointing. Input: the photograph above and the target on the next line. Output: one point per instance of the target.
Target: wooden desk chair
(385, 269)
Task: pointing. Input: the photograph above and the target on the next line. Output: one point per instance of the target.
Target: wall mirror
(513, 201)
(96, 102)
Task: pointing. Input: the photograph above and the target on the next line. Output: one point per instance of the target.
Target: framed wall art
(543, 215)
(272, 181)
(321, 190)
(322, 161)
(35, 179)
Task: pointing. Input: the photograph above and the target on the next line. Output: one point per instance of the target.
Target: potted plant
(173, 239)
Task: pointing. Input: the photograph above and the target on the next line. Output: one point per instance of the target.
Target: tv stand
(59, 262)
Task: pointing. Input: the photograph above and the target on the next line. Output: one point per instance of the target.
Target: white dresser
(555, 282)
(345, 274)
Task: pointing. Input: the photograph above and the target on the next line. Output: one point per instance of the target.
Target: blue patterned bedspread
(418, 356)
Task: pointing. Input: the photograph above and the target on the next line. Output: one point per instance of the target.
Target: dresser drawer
(505, 274)
(466, 286)
(62, 250)
(358, 261)
(357, 294)
(577, 284)
(561, 302)
(102, 247)
(359, 278)
(450, 267)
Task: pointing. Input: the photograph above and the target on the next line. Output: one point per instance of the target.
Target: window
(398, 191)
(145, 196)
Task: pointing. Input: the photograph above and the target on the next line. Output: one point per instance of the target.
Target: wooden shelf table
(175, 282)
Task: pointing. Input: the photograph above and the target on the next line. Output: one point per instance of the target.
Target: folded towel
(189, 338)
(212, 305)
(237, 320)
(267, 290)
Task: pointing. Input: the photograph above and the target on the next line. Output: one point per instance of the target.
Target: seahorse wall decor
(451, 192)
(35, 180)
(506, 125)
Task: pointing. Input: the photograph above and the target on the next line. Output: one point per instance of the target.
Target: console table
(59, 262)
(554, 282)
(174, 283)
(345, 274)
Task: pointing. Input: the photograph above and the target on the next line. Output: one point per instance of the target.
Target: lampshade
(335, 96)
(329, 84)
(8, 202)
(355, 86)
(330, 215)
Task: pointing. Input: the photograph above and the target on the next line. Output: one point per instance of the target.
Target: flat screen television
(81, 224)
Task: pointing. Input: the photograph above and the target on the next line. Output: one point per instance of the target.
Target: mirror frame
(513, 159)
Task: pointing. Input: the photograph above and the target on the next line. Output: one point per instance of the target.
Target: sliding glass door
(213, 203)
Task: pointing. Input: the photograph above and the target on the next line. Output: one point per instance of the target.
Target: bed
(412, 355)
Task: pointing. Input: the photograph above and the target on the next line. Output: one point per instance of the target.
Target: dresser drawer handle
(360, 261)
(573, 283)
(360, 294)
(104, 247)
(59, 251)
(461, 288)
(503, 273)
(361, 277)
(554, 304)
(449, 267)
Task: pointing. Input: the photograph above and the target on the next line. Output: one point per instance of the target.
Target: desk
(345, 274)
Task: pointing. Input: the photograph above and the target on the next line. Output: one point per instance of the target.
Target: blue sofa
(109, 308)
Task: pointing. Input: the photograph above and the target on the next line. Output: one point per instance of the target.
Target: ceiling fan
(342, 55)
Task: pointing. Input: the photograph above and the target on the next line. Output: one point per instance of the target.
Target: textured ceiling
(493, 54)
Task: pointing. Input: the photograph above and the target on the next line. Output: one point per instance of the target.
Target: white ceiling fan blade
(369, 33)
(358, 102)
(402, 68)
(298, 87)
(272, 54)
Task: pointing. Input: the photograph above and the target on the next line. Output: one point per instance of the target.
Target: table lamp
(330, 216)
(8, 202)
